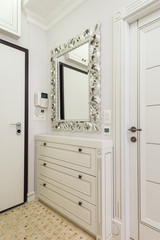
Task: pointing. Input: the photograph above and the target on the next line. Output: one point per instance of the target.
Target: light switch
(107, 116)
(107, 130)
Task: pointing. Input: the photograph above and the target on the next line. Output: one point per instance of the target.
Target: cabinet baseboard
(31, 196)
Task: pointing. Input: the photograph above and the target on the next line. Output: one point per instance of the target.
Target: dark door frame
(25, 114)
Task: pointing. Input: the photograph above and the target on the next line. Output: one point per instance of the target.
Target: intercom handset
(41, 99)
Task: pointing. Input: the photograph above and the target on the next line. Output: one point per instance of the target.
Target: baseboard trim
(116, 229)
(31, 196)
(109, 237)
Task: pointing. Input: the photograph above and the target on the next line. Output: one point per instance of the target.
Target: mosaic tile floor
(34, 220)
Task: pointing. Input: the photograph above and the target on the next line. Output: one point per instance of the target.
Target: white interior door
(145, 114)
(12, 105)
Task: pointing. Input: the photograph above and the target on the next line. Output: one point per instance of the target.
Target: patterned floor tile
(34, 220)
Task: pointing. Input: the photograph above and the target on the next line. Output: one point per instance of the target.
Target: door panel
(147, 233)
(145, 106)
(149, 118)
(12, 105)
(153, 163)
(152, 124)
(152, 47)
(152, 202)
(152, 86)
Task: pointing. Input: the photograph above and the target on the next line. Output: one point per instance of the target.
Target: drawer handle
(80, 149)
(80, 203)
(44, 144)
(44, 164)
(80, 176)
(44, 184)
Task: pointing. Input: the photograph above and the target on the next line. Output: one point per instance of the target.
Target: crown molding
(46, 23)
(62, 13)
(135, 10)
(35, 19)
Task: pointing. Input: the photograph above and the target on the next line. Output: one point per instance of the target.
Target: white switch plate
(107, 116)
(39, 118)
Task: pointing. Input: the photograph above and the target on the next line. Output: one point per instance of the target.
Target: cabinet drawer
(72, 207)
(78, 158)
(74, 182)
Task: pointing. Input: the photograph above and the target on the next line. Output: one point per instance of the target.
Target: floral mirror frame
(92, 36)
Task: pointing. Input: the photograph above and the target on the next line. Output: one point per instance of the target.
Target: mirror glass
(75, 83)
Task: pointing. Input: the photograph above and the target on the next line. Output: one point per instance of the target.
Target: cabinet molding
(71, 187)
(10, 18)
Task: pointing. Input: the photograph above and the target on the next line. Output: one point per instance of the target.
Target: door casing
(122, 19)
(25, 113)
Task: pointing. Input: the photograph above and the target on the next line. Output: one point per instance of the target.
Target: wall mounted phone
(41, 99)
(41, 105)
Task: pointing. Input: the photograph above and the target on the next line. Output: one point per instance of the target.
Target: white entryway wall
(86, 15)
(40, 44)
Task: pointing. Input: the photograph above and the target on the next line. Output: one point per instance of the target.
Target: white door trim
(121, 21)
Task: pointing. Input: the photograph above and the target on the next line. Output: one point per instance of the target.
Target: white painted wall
(86, 15)
(37, 83)
(40, 44)
(33, 39)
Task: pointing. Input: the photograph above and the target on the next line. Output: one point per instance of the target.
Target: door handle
(18, 124)
(18, 127)
(134, 129)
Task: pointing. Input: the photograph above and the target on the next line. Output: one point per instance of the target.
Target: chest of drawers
(73, 175)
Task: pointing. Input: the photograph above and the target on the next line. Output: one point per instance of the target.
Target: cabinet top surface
(88, 142)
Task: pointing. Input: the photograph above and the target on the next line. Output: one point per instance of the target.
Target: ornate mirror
(75, 83)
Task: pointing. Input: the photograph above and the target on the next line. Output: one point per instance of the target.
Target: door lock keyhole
(133, 139)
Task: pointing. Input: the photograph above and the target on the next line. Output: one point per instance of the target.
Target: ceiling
(46, 13)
